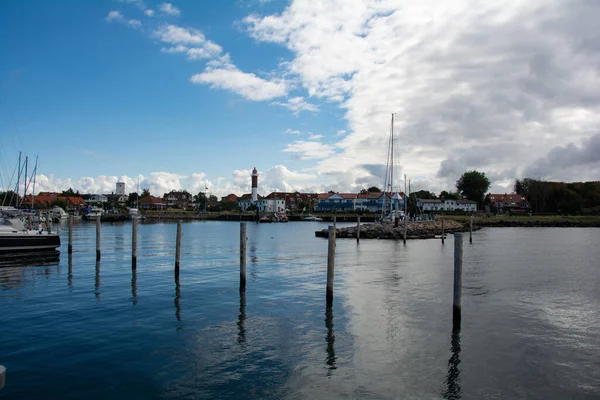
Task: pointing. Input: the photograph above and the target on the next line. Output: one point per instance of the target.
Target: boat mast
(33, 189)
(19, 178)
(389, 171)
(25, 183)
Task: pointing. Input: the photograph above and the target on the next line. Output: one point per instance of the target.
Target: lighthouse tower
(254, 185)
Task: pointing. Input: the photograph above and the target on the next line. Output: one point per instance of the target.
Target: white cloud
(208, 50)
(292, 132)
(177, 35)
(149, 12)
(116, 16)
(473, 84)
(222, 74)
(307, 150)
(297, 104)
(314, 136)
(169, 9)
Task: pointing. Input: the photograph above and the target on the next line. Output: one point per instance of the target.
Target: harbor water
(72, 328)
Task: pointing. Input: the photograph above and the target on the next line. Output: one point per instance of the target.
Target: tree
(374, 189)
(132, 199)
(145, 192)
(473, 185)
(423, 194)
(9, 198)
(70, 192)
(448, 195)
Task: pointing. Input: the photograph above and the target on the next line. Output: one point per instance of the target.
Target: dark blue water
(71, 328)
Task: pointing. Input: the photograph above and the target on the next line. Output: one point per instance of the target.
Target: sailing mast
(388, 184)
(33, 189)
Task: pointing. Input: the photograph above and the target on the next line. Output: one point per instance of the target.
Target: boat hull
(26, 243)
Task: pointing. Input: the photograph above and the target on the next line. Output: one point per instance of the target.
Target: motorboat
(311, 217)
(15, 236)
(58, 214)
(93, 213)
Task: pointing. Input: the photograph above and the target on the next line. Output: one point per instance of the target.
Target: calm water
(72, 329)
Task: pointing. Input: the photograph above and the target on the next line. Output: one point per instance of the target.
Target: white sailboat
(391, 196)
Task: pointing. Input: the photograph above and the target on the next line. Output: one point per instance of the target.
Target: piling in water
(405, 228)
(330, 264)
(442, 230)
(458, 257)
(396, 220)
(242, 256)
(471, 228)
(70, 248)
(98, 222)
(134, 243)
(178, 249)
(358, 230)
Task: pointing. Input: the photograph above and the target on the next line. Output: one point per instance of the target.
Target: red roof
(150, 200)
(506, 198)
(40, 200)
(73, 201)
(229, 197)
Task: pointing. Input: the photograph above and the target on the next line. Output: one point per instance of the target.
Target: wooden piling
(358, 230)
(70, 247)
(471, 228)
(98, 222)
(330, 264)
(2, 376)
(443, 231)
(178, 249)
(242, 256)
(405, 227)
(134, 243)
(396, 220)
(334, 220)
(458, 258)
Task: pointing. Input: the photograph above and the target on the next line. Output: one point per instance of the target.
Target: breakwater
(541, 223)
(386, 230)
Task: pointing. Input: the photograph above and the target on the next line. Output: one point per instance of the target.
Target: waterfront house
(430, 205)
(73, 202)
(294, 200)
(178, 199)
(504, 203)
(375, 201)
(245, 201)
(95, 198)
(151, 203)
(271, 205)
(466, 205)
(336, 202)
(230, 197)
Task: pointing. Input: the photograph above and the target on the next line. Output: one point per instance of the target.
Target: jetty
(388, 230)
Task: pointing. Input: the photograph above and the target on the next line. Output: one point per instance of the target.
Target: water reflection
(330, 359)
(242, 319)
(453, 390)
(177, 298)
(97, 280)
(134, 287)
(253, 261)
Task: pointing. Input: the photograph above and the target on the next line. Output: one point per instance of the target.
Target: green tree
(145, 192)
(374, 189)
(132, 199)
(70, 192)
(9, 198)
(423, 194)
(473, 185)
(448, 195)
(59, 203)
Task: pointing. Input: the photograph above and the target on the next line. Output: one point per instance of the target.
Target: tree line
(560, 197)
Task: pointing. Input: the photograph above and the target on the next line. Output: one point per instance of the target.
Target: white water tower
(120, 188)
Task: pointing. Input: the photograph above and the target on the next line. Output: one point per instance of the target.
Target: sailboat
(16, 233)
(135, 212)
(391, 197)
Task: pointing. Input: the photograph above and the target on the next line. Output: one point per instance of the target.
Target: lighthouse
(254, 185)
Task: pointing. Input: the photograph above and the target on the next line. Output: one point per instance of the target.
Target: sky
(188, 95)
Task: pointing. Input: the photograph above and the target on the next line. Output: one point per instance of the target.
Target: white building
(466, 205)
(271, 205)
(120, 188)
(446, 205)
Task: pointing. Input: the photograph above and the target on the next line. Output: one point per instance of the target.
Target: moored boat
(15, 236)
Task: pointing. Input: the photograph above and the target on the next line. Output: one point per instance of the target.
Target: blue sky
(188, 94)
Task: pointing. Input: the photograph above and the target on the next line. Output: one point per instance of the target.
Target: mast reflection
(70, 275)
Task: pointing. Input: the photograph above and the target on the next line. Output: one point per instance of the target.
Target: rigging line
(8, 188)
